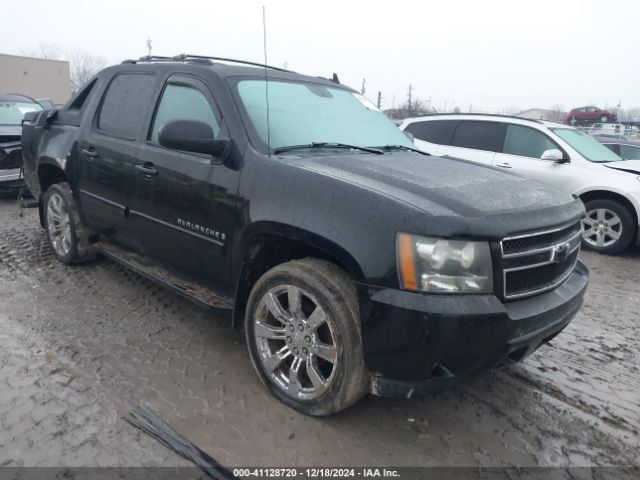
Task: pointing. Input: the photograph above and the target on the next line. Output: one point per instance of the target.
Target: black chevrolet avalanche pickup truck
(354, 263)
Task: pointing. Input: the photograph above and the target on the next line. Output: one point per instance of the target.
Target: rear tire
(302, 327)
(68, 237)
(608, 228)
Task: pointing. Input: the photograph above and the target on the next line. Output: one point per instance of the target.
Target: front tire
(68, 237)
(604, 119)
(302, 327)
(608, 228)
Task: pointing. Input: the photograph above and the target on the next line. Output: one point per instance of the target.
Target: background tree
(412, 107)
(49, 51)
(82, 64)
(557, 113)
(630, 115)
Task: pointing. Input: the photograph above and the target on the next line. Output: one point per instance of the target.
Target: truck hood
(631, 166)
(10, 133)
(461, 197)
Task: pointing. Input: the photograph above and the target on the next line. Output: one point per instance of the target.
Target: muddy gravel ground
(82, 346)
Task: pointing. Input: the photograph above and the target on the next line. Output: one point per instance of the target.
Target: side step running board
(181, 284)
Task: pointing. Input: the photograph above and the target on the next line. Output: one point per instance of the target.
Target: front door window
(182, 102)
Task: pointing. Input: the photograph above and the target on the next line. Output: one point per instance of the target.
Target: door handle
(90, 152)
(504, 165)
(147, 169)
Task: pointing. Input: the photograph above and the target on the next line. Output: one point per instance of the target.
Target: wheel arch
(609, 195)
(49, 172)
(267, 244)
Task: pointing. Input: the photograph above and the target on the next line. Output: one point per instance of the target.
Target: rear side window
(614, 148)
(629, 152)
(527, 142)
(437, 131)
(184, 103)
(124, 106)
(487, 136)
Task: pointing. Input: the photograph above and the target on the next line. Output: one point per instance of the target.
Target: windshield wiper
(327, 145)
(401, 147)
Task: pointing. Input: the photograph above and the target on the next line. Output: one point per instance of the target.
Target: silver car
(12, 109)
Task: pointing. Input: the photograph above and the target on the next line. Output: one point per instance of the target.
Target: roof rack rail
(161, 59)
(188, 58)
(500, 115)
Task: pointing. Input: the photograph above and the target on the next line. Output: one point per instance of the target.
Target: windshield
(586, 146)
(12, 112)
(304, 113)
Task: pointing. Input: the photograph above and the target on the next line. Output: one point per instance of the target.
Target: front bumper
(10, 182)
(415, 343)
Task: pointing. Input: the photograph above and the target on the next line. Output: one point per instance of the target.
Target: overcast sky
(489, 54)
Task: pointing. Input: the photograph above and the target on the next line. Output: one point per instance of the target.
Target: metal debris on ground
(153, 426)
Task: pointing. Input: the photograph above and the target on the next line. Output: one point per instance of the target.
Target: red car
(590, 115)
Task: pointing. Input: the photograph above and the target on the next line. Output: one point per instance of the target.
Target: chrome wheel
(295, 341)
(59, 225)
(601, 228)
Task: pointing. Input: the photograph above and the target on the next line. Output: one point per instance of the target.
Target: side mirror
(554, 155)
(192, 136)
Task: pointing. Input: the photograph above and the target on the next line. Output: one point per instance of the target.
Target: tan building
(36, 77)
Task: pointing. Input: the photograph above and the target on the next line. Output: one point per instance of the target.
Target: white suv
(550, 152)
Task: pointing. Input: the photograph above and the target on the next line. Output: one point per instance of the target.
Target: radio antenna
(266, 76)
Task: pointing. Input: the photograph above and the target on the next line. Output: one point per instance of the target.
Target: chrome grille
(11, 159)
(536, 262)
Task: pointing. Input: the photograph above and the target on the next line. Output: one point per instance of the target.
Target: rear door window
(124, 105)
(479, 135)
(433, 131)
(527, 142)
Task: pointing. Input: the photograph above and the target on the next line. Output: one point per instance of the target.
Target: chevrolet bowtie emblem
(560, 252)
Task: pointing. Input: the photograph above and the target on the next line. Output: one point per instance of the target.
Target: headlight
(438, 265)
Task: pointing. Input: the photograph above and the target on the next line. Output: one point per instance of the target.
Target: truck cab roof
(222, 67)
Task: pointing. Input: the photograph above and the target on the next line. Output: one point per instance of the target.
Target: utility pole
(619, 107)
(364, 88)
(379, 99)
(149, 45)
(409, 108)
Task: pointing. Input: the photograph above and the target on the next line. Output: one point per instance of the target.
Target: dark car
(354, 262)
(627, 149)
(590, 114)
(12, 110)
